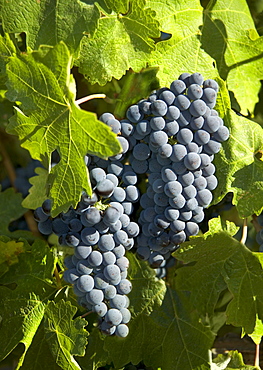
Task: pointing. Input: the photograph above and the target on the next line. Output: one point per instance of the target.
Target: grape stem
(90, 97)
(244, 232)
(256, 363)
(86, 314)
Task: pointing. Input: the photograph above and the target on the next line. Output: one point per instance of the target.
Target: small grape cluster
(168, 141)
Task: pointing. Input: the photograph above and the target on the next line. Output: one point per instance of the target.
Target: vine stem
(90, 97)
(244, 232)
(256, 363)
(86, 314)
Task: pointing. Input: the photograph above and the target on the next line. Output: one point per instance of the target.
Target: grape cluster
(168, 143)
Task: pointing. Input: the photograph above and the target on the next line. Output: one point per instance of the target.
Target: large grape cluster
(168, 142)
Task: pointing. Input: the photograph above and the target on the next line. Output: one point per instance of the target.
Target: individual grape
(124, 287)
(143, 128)
(105, 188)
(125, 220)
(100, 309)
(171, 214)
(59, 227)
(211, 84)
(179, 152)
(211, 182)
(209, 96)
(211, 124)
(141, 152)
(111, 215)
(182, 102)
(194, 91)
(154, 166)
(205, 160)
(74, 225)
(153, 230)
(68, 262)
(111, 272)
(116, 168)
(199, 217)
(120, 237)
(172, 188)
(83, 267)
(178, 87)
(118, 195)
(200, 183)
(143, 252)
(106, 242)
(186, 178)
(204, 197)
(145, 107)
(90, 236)
(212, 147)
(126, 315)
(196, 123)
(106, 116)
(118, 206)
(184, 118)
(95, 258)
(45, 227)
(107, 329)
(122, 263)
(222, 134)
(191, 204)
(133, 113)
(132, 229)
(91, 216)
(171, 128)
(46, 206)
(177, 202)
(119, 251)
(139, 167)
(157, 123)
(201, 137)
(95, 296)
(127, 207)
(193, 147)
(113, 316)
(100, 281)
(192, 161)
(167, 96)
(168, 174)
(71, 276)
(177, 226)
(184, 136)
(118, 302)
(132, 193)
(85, 283)
(161, 199)
(179, 237)
(155, 259)
(129, 178)
(129, 244)
(109, 258)
(97, 175)
(161, 222)
(110, 292)
(196, 78)
(189, 191)
(114, 124)
(40, 215)
(208, 170)
(158, 186)
(127, 128)
(191, 228)
(197, 108)
(173, 113)
(159, 108)
(102, 228)
(158, 138)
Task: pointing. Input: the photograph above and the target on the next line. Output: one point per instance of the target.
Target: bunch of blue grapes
(177, 132)
(100, 230)
(168, 143)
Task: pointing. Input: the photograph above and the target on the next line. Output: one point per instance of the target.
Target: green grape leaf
(50, 22)
(239, 166)
(37, 193)
(38, 355)
(230, 361)
(119, 43)
(25, 289)
(49, 119)
(221, 262)
(183, 52)
(9, 253)
(237, 49)
(66, 337)
(118, 6)
(161, 336)
(257, 334)
(10, 210)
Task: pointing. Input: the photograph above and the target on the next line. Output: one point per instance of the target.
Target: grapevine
(131, 185)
